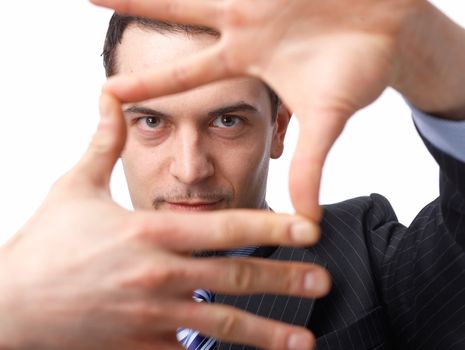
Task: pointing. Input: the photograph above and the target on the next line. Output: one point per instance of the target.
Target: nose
(191, 163)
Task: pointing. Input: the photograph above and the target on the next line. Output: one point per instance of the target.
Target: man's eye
(149, 122)
(226, 121)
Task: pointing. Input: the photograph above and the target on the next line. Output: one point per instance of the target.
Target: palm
(326, 59)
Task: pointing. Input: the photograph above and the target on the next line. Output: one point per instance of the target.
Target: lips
(194, 205)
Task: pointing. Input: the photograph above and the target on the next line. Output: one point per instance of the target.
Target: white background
(50, 78)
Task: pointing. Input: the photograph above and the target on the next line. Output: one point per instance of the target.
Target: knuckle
(137, 230)
(155, 279)
(219, 11)
(64, 182)
(294, 282)
(167, 230)
(230, 229)
(173, 9)
(225, 228)
(227, 326)
(277, 336)
(325, 283)
(127, 6)
(142, 84)
(161, 279)
(293, 279)
(142, 229)
(242, 276)
(148, 313)
(181, 76)
(289, 282)
(230, 63)
(69, 183)
(233, 14)
(278, 340)
(158, 278)
(103, 140)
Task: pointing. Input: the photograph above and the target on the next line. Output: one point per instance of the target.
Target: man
(177, 151)
(83, 186)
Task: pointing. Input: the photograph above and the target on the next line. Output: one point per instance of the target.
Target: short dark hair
(119, 23)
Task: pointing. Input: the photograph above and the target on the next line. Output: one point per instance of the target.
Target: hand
(326, 59)
(84, 273)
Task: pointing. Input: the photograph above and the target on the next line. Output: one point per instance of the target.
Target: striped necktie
(191, 339)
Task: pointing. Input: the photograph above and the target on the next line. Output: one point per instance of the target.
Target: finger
(318, 132)
(107, 143)
(225, 229)
(235, 276)
(173, 345)
(198, 69)
(231, 325)
(167, 341)
(253, 276)
(121, 343)
(207, 13)
(153, 342)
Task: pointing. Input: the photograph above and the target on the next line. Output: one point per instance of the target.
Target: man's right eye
(149, 122)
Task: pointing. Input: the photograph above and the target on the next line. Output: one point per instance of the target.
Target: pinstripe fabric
(393, 287)
(192, 339)
(293, 310)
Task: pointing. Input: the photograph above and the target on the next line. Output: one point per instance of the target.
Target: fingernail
(309, 281)
(302, 232)
(299, 341)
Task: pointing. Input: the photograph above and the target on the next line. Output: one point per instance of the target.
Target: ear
(279, 132)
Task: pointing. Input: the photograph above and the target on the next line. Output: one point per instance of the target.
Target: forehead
(142, 48)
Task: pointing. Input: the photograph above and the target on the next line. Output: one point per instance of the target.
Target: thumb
(317, 133)
(97, 164)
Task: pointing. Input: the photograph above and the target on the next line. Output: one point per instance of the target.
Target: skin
(92, 292)
(326, 60)
(370, 44)
(204, 149)
(84, 273)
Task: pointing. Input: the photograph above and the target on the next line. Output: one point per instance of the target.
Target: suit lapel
(292, 310)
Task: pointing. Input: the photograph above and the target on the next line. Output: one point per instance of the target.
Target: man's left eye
(226, 121)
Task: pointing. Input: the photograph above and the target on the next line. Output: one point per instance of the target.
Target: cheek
(252, 161)
(246, 166)
(142, 170)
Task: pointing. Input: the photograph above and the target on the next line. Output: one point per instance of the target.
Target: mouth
(194, 205)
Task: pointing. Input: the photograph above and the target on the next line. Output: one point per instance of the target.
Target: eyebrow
(237, 107)
(135, 109)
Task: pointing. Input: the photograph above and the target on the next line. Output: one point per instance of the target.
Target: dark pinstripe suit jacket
(393, 287)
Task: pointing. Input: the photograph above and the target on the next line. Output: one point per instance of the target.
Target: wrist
(430, 56)
(5, 304)
(9, 305)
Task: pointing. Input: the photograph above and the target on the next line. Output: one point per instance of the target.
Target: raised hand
(84, 273)
(326, 59)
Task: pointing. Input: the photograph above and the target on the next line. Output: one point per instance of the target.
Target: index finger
(201, 68)
(200, 12)
(226, 229)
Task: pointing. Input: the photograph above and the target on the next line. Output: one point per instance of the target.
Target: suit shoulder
(375, 208)
(370, 221)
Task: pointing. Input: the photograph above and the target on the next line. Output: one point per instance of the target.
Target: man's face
(204, 149)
